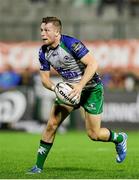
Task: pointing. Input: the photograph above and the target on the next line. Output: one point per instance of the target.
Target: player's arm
(45, 70)
(91, 67)
(46, 81)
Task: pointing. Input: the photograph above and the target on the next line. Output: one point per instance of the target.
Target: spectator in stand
(103, 3)
(37, 1)
(9, 78)
(118, 79)
(130, 81)
(27, 77)
(107, 79)
(134, 7)
(89, 2)
(79, 3)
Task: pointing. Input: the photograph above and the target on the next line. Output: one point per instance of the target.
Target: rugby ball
(62, 91)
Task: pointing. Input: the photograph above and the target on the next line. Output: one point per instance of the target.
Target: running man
(76, 65)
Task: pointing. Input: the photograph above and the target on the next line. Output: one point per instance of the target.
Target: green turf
(73, 156)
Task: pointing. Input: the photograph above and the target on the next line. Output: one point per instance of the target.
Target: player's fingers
(75, 94)
(76, 99)
(72, 94)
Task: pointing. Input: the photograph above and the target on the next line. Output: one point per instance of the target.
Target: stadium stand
(20, 21)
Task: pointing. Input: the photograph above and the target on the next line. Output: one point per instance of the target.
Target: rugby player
(76, 65)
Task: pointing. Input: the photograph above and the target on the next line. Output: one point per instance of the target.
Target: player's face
(49, 34)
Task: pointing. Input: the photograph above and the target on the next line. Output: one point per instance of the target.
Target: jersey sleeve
(44, 64)
(76, 47)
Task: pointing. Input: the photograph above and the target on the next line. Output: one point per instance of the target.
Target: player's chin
(45, 41)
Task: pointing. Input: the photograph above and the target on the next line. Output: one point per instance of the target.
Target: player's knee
(93, 135)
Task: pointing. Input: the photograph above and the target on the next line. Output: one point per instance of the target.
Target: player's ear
(57, 32)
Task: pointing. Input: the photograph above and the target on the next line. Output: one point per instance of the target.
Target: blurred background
(109, 28)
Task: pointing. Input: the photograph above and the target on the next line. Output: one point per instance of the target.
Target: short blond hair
(56, 22)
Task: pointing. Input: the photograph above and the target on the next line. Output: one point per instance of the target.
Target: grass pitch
(73, 156)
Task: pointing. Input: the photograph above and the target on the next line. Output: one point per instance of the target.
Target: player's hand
(76, 91)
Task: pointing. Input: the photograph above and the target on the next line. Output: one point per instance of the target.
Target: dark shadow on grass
(77, 173)
(79, 169)
(82, 172)
(68, 169)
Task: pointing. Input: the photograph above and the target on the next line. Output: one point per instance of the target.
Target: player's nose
(42, 33)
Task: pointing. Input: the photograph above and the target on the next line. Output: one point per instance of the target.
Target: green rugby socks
(115, 137)
(42, 153)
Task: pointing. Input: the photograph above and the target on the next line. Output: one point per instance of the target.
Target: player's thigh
(92, 121)
(58, 113)
(92, 100)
